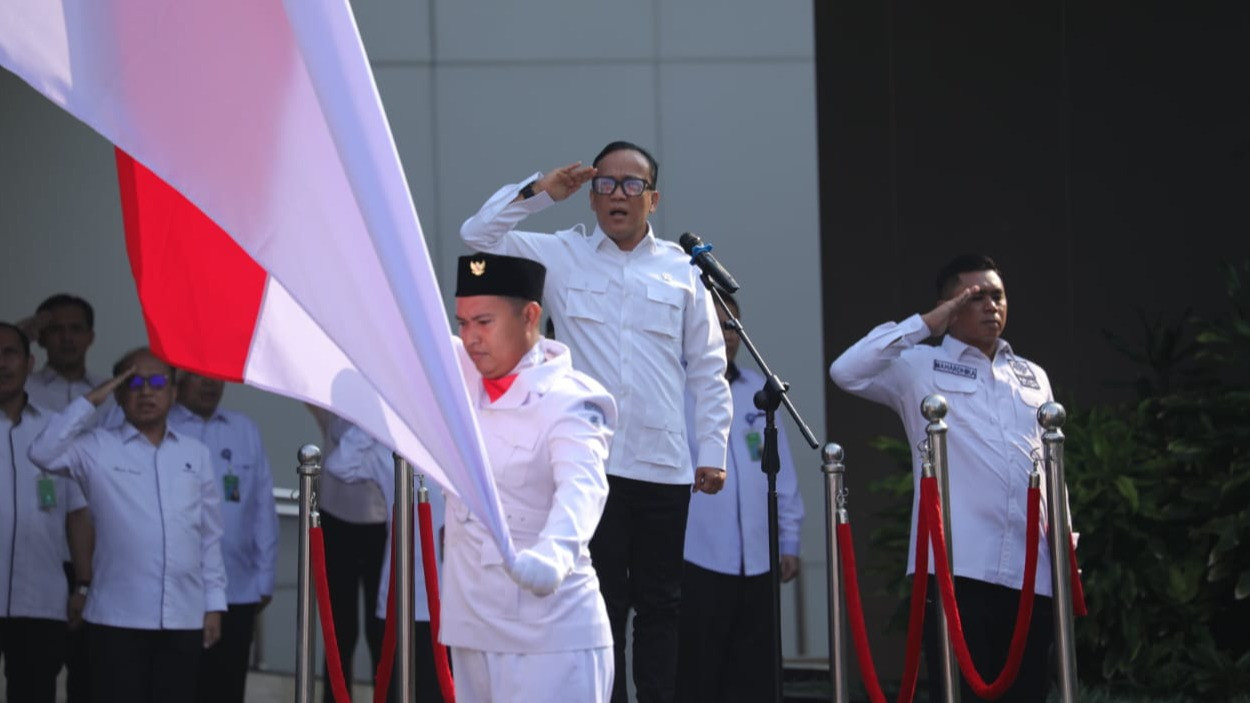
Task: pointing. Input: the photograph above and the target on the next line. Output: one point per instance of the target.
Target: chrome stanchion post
(305, 668)
(835, 514)
(1051, 417)
(933, 463)
(401, 557)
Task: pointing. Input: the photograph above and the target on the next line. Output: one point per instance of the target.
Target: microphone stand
(769, 398)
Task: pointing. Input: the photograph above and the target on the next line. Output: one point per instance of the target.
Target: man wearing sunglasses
(638, 320)
(159, 583)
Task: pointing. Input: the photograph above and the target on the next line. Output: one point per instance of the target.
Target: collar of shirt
(127, 432)
(957, 349)
(598, 238)
(541, 366)
(31, 409)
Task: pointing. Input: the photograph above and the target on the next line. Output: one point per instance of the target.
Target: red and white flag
(271, 232)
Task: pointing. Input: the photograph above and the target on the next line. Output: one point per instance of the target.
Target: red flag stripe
(201, 293)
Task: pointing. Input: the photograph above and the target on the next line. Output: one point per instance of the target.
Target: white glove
(536, 573)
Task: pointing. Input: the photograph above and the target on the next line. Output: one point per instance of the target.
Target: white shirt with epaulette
(990, 444)
(639, 322)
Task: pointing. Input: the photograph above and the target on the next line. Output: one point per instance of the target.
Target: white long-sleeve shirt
(727, 532)
(639, 322)
(157, 514)
(359, 457)
(32, 537)
(249, 546)
(992, 433)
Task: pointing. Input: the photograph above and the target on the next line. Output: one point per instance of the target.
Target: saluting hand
(708, 479)
(33, 325)
(101, 392)
(939, 318)
(564, 181)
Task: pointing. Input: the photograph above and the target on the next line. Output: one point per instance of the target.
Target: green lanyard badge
(45, 489)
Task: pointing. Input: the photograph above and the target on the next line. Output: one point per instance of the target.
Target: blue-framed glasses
(607, 185)
(156, 381)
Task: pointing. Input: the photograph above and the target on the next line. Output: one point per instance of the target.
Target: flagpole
(309, 469)
(401, 556)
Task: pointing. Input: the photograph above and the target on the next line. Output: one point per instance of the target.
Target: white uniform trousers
(577, 676)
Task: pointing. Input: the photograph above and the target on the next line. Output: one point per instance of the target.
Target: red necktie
(496, 387)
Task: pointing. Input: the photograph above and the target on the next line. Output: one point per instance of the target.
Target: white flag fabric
(254, 149)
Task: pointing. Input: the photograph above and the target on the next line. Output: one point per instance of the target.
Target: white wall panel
(735, 29)
(560, 31)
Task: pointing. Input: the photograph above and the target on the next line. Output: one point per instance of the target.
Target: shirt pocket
(662, 311)
(520, 450)
(661, 441)
(960, 393)
(587, 298)
(1030, 400)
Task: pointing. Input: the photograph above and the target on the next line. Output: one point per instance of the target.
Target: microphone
(701, 256)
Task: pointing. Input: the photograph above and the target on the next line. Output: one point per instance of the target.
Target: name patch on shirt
(1024, 374)
(954, 369)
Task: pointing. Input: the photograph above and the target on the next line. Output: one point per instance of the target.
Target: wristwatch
(82, 587)
(527, 191)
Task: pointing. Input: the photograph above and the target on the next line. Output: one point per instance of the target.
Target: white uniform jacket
(727, 532)
(249, 546)
(547, 438)
(639, 322)
(32, 536)
(358, 457)
(157, 514)
(993, 433)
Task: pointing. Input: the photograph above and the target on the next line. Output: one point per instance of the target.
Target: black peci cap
(507, 276)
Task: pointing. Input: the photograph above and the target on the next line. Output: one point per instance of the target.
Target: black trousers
(223, 670)
(988, 613)
(637, 552)
(143, 666)
(353, 562)
(726, 633)
(33, 650)
(77, 666)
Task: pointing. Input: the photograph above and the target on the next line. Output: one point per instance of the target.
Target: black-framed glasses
(607, 185)
(156, 381)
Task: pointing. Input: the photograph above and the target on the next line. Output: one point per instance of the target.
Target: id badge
(754, 445)
(230, 484)
(45, 488)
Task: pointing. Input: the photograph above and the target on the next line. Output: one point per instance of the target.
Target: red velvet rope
(382, 681)
(317, 549)
(855, 613)
(859, 632)
(386, 661)
(1074, 572)
(946, 586)
(915, 623)
(441, 666)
